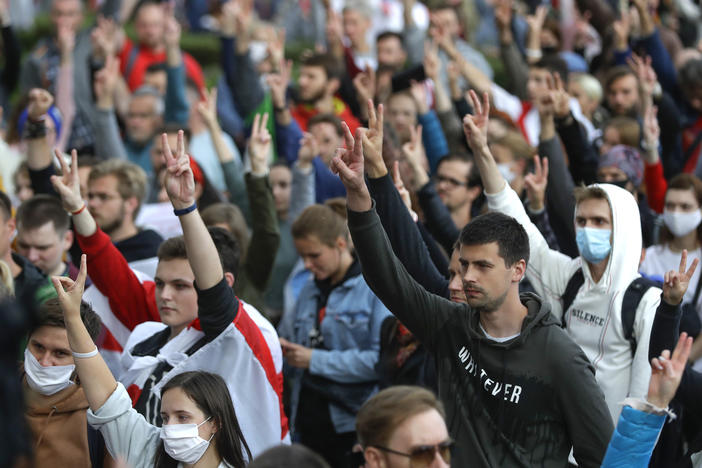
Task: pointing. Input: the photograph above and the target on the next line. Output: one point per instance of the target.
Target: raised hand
(536, 21)
(536, 184)
(278, 82)
(179, 181)
(105, 37)
(259, 144)
(69, 292)
(348, 164)
(373, 142)
(646, 75)
(66, 38)
(559, 96)
(475, 126)
(308, 150)
(276, 46)
(667, 371)
(675, 283)
(419, 94)
(651, 134)
(172, 30)
(503, 14)
(432, 65)
(105, 81)
(207, 107)
(622, 28)
(413, 152)
(40, 100)
(67, 185)
(364, 83)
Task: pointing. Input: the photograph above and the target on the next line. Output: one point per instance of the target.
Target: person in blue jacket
(332, 348)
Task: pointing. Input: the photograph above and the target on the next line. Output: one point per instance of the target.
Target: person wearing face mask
(199, 423)
(586, 293)
(681, 231)
(333, 349)
(55, 398)
(622, 166)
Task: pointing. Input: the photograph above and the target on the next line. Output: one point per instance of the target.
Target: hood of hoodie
(623, 263)
(538, 315)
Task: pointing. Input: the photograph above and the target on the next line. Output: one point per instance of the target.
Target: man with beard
(115, 193)
(318, 83)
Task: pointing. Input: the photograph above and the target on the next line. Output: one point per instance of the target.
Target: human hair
(328, 62)
(141, 4)
(288, 455)
(172, 248)
(359, 6)
(515, 142)
(231, 215)
(330, 119)
(683, 181)
(591, 85)
(157, 67)
(464, 158)
(615, 73)
(227, 248)
(172, 128)
(591, 192)
(146, 90)
(383, 413)
(338, 206)
(42, 209)
(690, 74)
(5, 206)
(210, 394)
(7, 282)
(629, 130)
(389, 35)
(554, 64)
(51, 315)
(131, 179)
(322, 222)
(511, 238)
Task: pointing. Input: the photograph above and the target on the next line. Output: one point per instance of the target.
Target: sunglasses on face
(449, 180)
(423, 455)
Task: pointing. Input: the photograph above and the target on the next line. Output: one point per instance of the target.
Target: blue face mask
(593, 243)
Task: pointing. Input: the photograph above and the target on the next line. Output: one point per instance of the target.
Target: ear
(474, 192)
(12, 224)
(333, 85)
(132, 203)
(68, 239)
(519, 270)
(229, 278)
(342, 243)
(374, 459)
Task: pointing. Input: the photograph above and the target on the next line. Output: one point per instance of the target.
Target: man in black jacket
(518, 391)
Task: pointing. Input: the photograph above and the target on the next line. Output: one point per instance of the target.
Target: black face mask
(548, 50)
(618, 183)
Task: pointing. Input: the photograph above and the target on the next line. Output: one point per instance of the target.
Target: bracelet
(533, 53)
(187, 210)
(79, 211)
(279, 109)
(85, 355)
(34, 129)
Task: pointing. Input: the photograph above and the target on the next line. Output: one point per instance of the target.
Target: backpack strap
(571, 291)
(131, 60)
(630, 302)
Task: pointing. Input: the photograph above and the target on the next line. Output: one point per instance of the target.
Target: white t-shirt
(502, 339)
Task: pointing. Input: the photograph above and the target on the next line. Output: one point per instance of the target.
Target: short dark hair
(690, 74)
(464, 158)
(51, 315)
(172, 128)
(157, 67)
(330, 119)
(288, 455)
(227, 248)
(210, 393)
(328, 62)
(554, 64)
(172, 249)
(616, 73)
(5, 206)
(512, 240)
(42, 209)
(141, 4)
(388, 35)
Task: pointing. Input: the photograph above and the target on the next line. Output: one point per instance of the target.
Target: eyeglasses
(422, 456)
(449, 180)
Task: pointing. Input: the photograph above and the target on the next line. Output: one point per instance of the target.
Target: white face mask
(681, 224)
(46, 380)
(506, 171)
(183, 443)
(258, 50)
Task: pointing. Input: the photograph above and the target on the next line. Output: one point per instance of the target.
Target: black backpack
(632, 296)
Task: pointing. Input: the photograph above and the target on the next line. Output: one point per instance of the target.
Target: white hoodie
(594, 319)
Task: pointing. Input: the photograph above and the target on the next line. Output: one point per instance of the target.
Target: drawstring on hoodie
(41, 436)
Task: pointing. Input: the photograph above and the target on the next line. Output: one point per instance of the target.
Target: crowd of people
(372, 233)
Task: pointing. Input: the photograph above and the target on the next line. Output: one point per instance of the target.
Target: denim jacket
(351, 331)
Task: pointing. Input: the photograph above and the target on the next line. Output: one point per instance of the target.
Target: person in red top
(188, 317)
(135, 59)
(318, 83)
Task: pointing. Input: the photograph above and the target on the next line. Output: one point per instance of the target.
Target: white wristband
(85, 355)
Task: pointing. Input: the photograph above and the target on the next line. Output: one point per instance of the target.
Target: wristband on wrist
(533, 53)
(34, 129)
(187, 210)
(85, 355)
(79, 210)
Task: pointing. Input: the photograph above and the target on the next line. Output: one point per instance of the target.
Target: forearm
(265, 236)
(224, 154)
(96, 379)
(65, 102)
(516, 67)
(302, 194)
(39, 154)
(493, 182)
(665, 329)
(581, 155)
(176, 102)
(108, 142)
(234, 180)
(479, 81)
(202, 253)
(433, 138)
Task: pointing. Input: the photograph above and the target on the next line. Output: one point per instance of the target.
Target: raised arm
(95, 377)
(108, 142)
(180, 186)
(176, 110)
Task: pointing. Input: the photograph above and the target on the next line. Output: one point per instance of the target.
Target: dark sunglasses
(450, 180)
(422, 456)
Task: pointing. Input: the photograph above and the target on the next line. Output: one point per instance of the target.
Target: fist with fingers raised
(40, 100)
(67, 185)
(179, 181)
(676, 282)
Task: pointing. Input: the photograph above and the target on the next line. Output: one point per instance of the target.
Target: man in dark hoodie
(518, 391)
